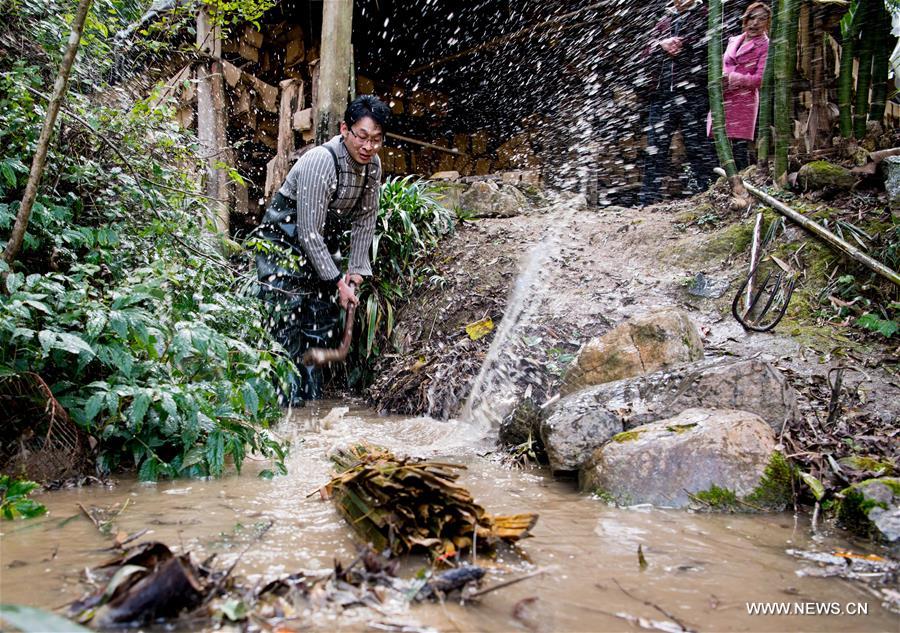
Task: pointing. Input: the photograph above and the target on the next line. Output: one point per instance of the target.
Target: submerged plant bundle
(405, 504)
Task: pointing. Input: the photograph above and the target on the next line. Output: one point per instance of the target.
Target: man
(678, 97)
(330, 190)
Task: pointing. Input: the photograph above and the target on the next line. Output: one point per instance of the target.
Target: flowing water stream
(702, 569)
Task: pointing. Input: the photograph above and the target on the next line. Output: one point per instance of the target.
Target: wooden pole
(211, 120)
(40, 156)
(334, 67)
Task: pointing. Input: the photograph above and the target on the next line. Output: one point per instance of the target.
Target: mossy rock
(820, 174)
(871, 508)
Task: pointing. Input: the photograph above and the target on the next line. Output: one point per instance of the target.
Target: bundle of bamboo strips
(404, 504)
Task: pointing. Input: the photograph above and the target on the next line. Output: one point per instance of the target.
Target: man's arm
(315, 183)
(363, 228)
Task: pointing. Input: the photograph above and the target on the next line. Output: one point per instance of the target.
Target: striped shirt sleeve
(316, 182)
(363, 229)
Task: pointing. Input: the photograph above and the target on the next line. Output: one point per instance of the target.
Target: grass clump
(717, 498)
(626, 436)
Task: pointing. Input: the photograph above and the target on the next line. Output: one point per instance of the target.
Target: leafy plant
(120, 300)
(14, 501)
(409, 226)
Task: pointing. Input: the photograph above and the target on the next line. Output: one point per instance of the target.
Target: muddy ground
(561, 273)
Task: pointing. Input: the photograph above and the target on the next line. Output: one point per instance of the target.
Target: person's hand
(672, 45)
(353, 278)
(346, 294)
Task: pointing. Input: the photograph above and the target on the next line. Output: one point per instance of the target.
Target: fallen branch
(501, 585)
(652, 604)
(823, 233)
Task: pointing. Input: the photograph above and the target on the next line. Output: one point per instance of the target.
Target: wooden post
(334, 67)
(212, 121)
(277, 168)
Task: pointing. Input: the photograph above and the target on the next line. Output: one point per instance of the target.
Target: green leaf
(32, 620)
(93, 406)
(46, 338)
(149, 470)
(251, 398)
(138, 408)
(14, 282)
(215, 452)
(72, 343)
(814, 484)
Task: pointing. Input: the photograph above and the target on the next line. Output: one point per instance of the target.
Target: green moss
(775, 489)
(626, 436)
(605, 496)
(735, 239)
(681, 428)
(853, 506)
(717, 498)
(859, 462)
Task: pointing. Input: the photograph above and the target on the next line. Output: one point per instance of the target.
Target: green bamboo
(845, 75)
(882, 52)
(868, 16)
(714, 85)
(785, 60)
(764, 126)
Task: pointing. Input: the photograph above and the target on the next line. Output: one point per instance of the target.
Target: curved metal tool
(761, 310)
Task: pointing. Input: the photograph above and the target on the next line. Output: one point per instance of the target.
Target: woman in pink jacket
(743, 65)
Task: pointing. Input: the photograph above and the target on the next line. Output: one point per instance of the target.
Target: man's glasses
(363, 140)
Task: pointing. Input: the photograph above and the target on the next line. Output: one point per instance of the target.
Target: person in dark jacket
(330, 190)
(678, 97)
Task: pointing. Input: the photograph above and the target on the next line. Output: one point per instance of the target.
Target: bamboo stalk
(823, 233)
(785, 59)
(764, 134)
(868, 16)
(406, 139)
(881, 35)
(40, 156)
(714, 85)
(845, 76)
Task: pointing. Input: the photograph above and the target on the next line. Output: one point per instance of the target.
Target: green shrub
(120, 299)
(410, 224)
(14, 501)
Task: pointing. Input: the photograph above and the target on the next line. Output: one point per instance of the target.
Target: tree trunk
(764, 127)
(868, 14)
(40, 155)
(817, 125)
(882, 49)
(334, 68)
(785, 58)
(845, 76)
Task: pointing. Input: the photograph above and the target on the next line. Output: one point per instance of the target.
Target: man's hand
(353, 278)
(347, 293)
(672, 45)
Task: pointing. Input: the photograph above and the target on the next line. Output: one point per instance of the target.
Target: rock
(891, 167)
(487, 199)
(711, 458)
(445, 175)
(637, 346)
(872, 508)
(572, 430)
(521, 425)
(820, 174)
(707, 287)
(594, 413)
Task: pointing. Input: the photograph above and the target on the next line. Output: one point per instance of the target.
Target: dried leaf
(481, 328)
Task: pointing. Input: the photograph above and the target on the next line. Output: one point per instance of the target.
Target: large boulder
(487, 199)
(638, 346)
(712, 458)
(872, 508)
(584, 420)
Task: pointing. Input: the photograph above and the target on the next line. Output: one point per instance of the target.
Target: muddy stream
(702, 569)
